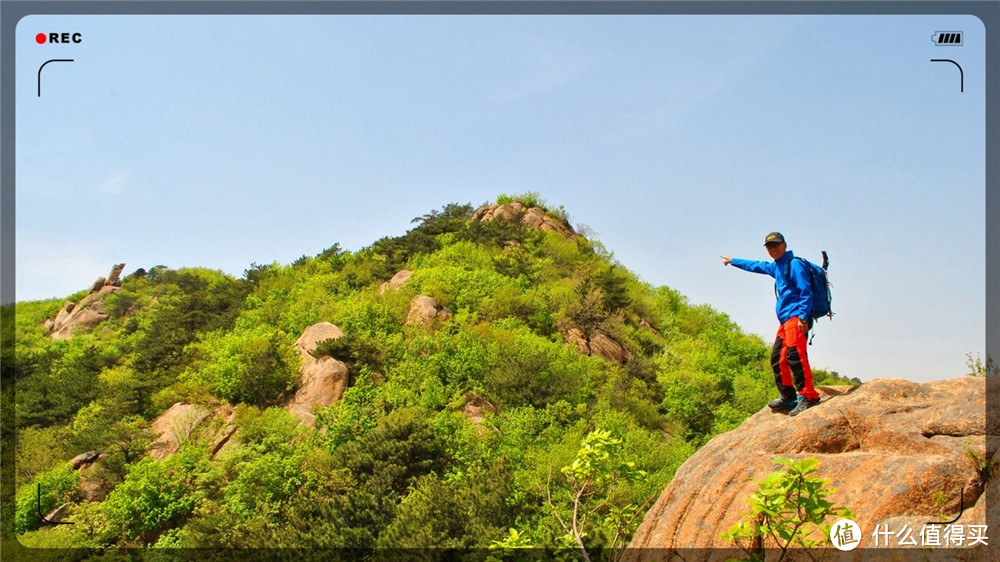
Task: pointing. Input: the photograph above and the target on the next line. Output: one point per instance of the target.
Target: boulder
(115, 275)
(86, 314)
(64, 313)
(100, 282)
(58, 514)
(397, 281)
(476, 407)
(599, 344)
(174, 427)
(322, 381)
(425, 310)
(83, 459)
(532, 217)
(222, 439)
(92, 490)
(887, 447)
(314, 334)
(196, 422)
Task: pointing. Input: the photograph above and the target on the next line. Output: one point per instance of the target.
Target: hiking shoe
(802, 404)
(781, 404)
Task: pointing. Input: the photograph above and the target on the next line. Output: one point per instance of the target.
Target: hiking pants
(790, 363)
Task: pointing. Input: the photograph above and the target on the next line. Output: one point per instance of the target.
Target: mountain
(492, 377)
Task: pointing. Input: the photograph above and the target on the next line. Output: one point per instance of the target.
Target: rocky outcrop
(183, 422)
(534, 217)
(84, 459)
(397, 281)
(425, 310)
(322, 381)
(887, 446)
(86, 314)
(114, 278)
(598, 344)
(174, 427)
(475, 409)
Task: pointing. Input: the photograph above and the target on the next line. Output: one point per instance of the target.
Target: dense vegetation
(395, 463)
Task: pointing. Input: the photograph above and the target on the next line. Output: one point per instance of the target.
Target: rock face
(397, 281)
(182, 422)
(599, 344)
(83, 459)
(86, 314)
(174, 426)
(534, 217)
(425, 310)
(887, 446)
(322, 381)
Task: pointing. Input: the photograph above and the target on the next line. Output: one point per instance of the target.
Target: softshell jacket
(791, 283)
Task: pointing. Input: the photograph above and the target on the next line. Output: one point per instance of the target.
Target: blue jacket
(791, 283)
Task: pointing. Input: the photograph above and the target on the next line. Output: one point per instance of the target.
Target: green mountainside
(591, 388)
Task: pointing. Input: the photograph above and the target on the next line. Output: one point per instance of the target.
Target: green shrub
(49, 490)
(255, 365)
(353, 416)
(156, 495)
(787, 511)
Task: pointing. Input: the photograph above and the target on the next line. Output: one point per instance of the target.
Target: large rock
(397, 281)
(598, 344)
(533, 217)
(176, 426)
(322, 381)
(476, 407)
(84, 459)
(86, 314)
(887, 446)
(425, 310)
(184, 422)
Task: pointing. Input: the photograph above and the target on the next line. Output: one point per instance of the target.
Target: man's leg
(795, 360)
(782, 375)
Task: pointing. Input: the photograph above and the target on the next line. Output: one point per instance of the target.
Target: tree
(595, 502)
(789, 506)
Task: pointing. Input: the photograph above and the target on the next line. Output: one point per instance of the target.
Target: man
(788, 356)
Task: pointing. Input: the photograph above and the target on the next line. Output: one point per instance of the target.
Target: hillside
(464, 385)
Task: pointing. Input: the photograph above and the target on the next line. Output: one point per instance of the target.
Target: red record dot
(40, 38)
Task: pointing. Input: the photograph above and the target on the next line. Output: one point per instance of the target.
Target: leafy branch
(785, 511)
(596, 478)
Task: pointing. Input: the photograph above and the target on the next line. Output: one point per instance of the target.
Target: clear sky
(221, 141)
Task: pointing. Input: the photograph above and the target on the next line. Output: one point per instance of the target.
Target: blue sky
(222, 141)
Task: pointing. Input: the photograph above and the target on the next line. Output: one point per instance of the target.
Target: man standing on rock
(794, 293)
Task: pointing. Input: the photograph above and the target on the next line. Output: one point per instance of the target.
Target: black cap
(775, 238)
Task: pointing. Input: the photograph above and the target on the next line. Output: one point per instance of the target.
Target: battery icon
(947, 38)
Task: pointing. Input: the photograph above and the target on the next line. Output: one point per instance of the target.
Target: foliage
(351, 417)
(155, 495)
(979, 368)
(531, 199)
(49, 490)
(449, 434)
(38, 450)
(595, 503)
(786, 511)
(250, 364)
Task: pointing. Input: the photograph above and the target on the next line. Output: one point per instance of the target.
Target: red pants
(790, 362)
